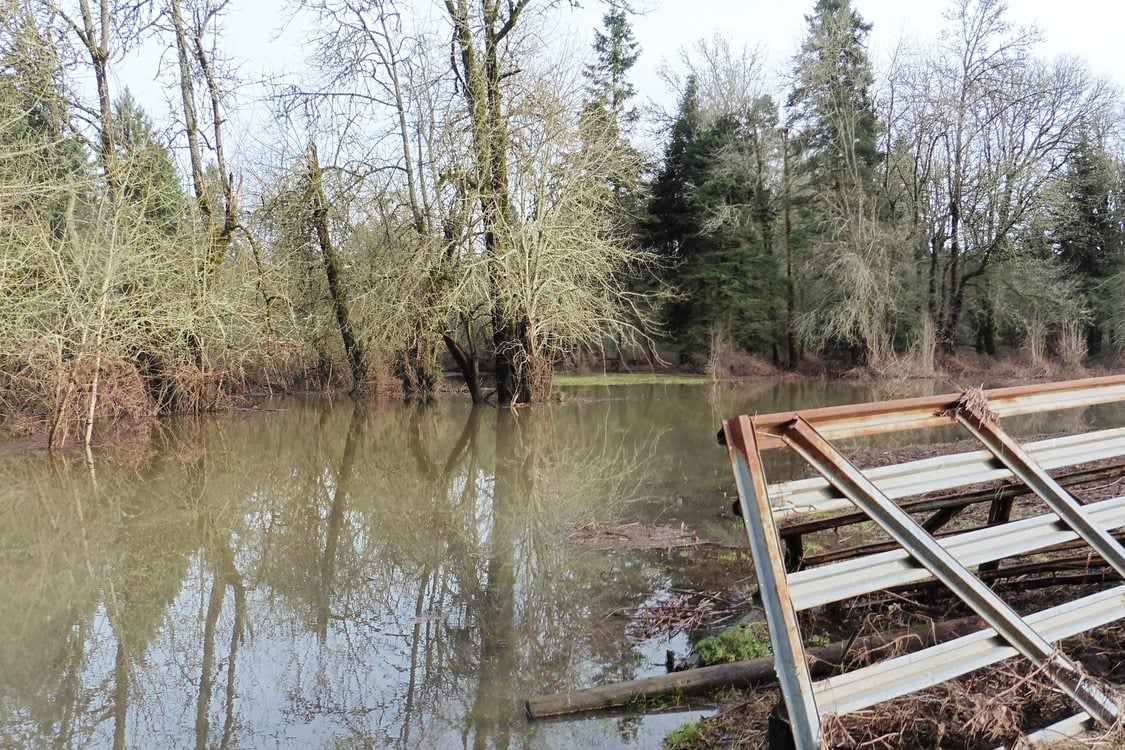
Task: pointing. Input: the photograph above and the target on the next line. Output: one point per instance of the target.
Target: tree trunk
(743, 674)
(222, 234)
(191, 120)
(790, 287)
(469, 365)
(987, 327)
(482, 91)
(416, 365)
(319, 217)
(951, 283)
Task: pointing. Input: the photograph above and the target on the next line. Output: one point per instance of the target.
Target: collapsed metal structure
(917, 555)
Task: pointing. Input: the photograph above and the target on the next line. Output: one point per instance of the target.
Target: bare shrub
(920, 361)
(1035, 342)
(728, 360)
(924, 352)
(1071, 346)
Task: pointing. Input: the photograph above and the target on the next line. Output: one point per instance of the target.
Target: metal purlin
(789, 659)
(834, 466)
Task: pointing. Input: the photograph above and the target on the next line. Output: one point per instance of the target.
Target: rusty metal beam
(1012, 455)
(835, 422)
(802, 436)
(765, 546)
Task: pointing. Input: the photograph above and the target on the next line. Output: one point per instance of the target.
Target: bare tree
(195, 57)
(102, 32)
(1003, 125)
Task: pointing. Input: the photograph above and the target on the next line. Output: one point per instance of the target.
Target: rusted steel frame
(1012, 455)
(834, 422)
(934, 523)
(794, 553)
(834, 466)
(790, 661)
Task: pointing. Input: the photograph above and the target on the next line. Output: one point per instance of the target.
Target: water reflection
(328, 574)
(340, 576)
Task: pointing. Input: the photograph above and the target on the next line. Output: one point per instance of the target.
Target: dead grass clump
(681, 612)
(41, 392)
(271, 369)
(727, 360)
(195, 390)
(381, 379)
(974, 402)
(967, 364)
(917, 362)
(990, 708)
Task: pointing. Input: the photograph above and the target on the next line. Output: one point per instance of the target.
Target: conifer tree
(853, 278)
(149, 177)
(830, 104)
(705, 220)
(616, 52)
(607, 116)
(1089, 230)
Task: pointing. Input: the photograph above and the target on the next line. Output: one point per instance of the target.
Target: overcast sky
(1092, 29)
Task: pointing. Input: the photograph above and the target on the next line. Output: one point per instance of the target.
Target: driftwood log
(742, 674)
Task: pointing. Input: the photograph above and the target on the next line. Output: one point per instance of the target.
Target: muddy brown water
(321, 573)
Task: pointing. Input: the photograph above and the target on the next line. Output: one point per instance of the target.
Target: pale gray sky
(1091, 29)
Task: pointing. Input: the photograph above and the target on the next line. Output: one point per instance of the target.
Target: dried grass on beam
(972, 401)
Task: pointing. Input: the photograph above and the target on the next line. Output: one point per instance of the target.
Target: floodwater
(325, 574)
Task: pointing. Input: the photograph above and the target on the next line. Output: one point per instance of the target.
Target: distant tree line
(440, 191)
(972, 195)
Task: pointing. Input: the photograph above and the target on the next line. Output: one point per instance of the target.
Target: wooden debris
(740, 674)
(629, 536)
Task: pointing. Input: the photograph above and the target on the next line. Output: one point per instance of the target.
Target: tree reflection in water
(336, 575)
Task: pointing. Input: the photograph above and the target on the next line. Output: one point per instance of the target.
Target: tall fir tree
(150, 181)
(1089, 230)
(49, 158)
(830, 106)
(706, 221)
(673, 220)
(852, 277)
(607, 116)
(615, 53)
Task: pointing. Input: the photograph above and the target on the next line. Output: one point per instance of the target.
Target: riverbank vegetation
(443, 193)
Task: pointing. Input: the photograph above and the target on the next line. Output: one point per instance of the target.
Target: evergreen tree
(706, 220)
(607, 118)
(853, 265)
(830, 104)
(49, 161)
(731, 285)
(616, 52)
(149, 179)
(674, 218)
(1089, 230)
